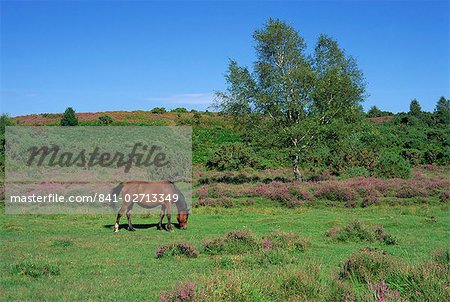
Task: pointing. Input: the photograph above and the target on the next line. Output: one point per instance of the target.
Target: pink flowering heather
(445, 196)
(383, 293)
(266, 244)
(181, 248)
(335, 191)
(184, 292)
(224, 202)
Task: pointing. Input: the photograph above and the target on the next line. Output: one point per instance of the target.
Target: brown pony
(151, 195)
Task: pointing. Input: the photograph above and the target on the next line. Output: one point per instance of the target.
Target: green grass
(93, 263)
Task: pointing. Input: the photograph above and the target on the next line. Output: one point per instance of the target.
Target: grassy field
(93, 263)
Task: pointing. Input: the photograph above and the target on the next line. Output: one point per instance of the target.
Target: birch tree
(291, 93)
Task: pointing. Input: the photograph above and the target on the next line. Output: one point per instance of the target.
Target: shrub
(105, 120)
(408, 191)
(366, 264)
(224, 202)
(355, 172)
(282, 195)
(380, 235)
(231, 156)
(49, 115)
(356, 231)
(382, 292)
(369, 200)
(444, 196)
(184, 292)
(158, 110)
(181, 249)
(35, 269)
(245, 236)
(197, 118)
(413, 156)
(69, 118)
(235, 242)
(442, 257)
(214, 246)
(334, 191)
(179, 110)
(391, 165)
(288, 241)
(304, 285)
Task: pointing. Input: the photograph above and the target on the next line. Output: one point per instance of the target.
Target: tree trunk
(296, 171)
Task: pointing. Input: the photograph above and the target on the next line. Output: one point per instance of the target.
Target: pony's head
(183, 220)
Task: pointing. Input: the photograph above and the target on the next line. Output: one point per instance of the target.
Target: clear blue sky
(117, 55)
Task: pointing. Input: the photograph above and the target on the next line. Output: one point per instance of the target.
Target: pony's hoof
(131, 229)
(116, 231)
(169, 228)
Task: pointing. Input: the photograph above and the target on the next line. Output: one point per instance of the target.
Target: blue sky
(116, 55)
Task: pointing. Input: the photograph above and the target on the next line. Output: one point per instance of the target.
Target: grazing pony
(151, 195)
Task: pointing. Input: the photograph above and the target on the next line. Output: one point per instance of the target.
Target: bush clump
(183, 292)
(444, 196)
(234, 242)
(158, 110)
(356, 231)
(178, 249)
(105, 120)
(231, 156)
(223, 202)
(69, 118)
(392, 165)
(442, 257)
(35, 269)
(334, 191)
(287, 241)
(366, 264)
(241, 241)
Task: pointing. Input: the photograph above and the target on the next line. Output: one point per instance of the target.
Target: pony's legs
(169, 224)
(161, 216)
(130, 226)
(119, 214)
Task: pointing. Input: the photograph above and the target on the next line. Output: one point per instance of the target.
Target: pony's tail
(114, 195)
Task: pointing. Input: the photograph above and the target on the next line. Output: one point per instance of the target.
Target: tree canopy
(290, 94)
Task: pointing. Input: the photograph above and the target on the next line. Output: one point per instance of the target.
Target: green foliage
(69, 118)
(50, 115)
(442, 111)
(413, 156)
(392, 165)
(232, 156)
(366, 264)
(355, 172)
(375, 112)
(179, 110)
(206, 140)
(197, 118)
(414, 108)
(158, 110)
(35, 268)
(105, 120)
(357, 232)
(290, 95)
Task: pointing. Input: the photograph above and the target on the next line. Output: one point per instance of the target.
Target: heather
(178, 249)
(358, 232)
(368, 274)
(430, 184)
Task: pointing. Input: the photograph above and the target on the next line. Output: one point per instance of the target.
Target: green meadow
(92, 263)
